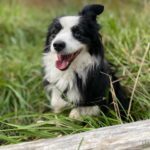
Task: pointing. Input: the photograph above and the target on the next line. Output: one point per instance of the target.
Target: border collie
(76, 72)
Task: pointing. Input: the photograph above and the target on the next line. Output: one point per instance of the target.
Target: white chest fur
(66, 80)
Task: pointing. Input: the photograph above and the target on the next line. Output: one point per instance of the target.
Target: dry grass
(23, 25)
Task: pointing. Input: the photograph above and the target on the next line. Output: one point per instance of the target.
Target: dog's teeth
(59, 57)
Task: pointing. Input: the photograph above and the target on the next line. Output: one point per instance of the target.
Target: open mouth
(63, 61)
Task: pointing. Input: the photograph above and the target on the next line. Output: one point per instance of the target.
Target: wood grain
(132, 136)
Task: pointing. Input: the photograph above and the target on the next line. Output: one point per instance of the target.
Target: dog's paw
(75, 114)
(57, 111)
(58, 105)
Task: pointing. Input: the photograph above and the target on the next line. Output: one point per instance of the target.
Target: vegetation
(24, 108)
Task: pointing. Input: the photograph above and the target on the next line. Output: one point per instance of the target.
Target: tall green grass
(126, 34)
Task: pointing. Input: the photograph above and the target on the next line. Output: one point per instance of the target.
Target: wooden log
(132, 136)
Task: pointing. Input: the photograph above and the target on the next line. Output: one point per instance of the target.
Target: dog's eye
(76, 31)
(52, 37)
(57, 26)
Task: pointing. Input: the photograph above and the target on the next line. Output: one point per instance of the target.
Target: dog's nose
(59, 45)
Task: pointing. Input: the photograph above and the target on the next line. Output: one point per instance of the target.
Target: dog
(76, 73)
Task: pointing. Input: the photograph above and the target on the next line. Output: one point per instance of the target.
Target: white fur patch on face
(69, 21)
(65, 35)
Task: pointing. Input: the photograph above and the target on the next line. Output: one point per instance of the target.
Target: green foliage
(125, 30)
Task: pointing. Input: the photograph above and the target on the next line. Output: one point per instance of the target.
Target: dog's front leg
(57, 103)
(78, 112)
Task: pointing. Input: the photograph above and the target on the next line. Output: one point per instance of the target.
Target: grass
(23, 103)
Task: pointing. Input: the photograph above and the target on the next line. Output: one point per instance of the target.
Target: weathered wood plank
(132, 136)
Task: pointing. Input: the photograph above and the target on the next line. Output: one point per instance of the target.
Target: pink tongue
(62, 65)
(63, 62)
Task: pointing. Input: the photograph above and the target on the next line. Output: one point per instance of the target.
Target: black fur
(53, 29)
(96, 91)
(87, 32)
(92, 11)
(98, 80)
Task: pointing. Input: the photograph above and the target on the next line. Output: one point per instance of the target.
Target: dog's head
(69, 35)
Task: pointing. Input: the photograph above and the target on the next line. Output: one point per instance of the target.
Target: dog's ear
(92, 11)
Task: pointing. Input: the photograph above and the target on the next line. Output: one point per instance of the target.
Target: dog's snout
(59, 45)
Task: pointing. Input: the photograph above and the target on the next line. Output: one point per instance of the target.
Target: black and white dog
(75, 70)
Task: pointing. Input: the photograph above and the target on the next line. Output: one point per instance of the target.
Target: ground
(24, 108)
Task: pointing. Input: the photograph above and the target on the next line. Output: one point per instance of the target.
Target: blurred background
(23, 26)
